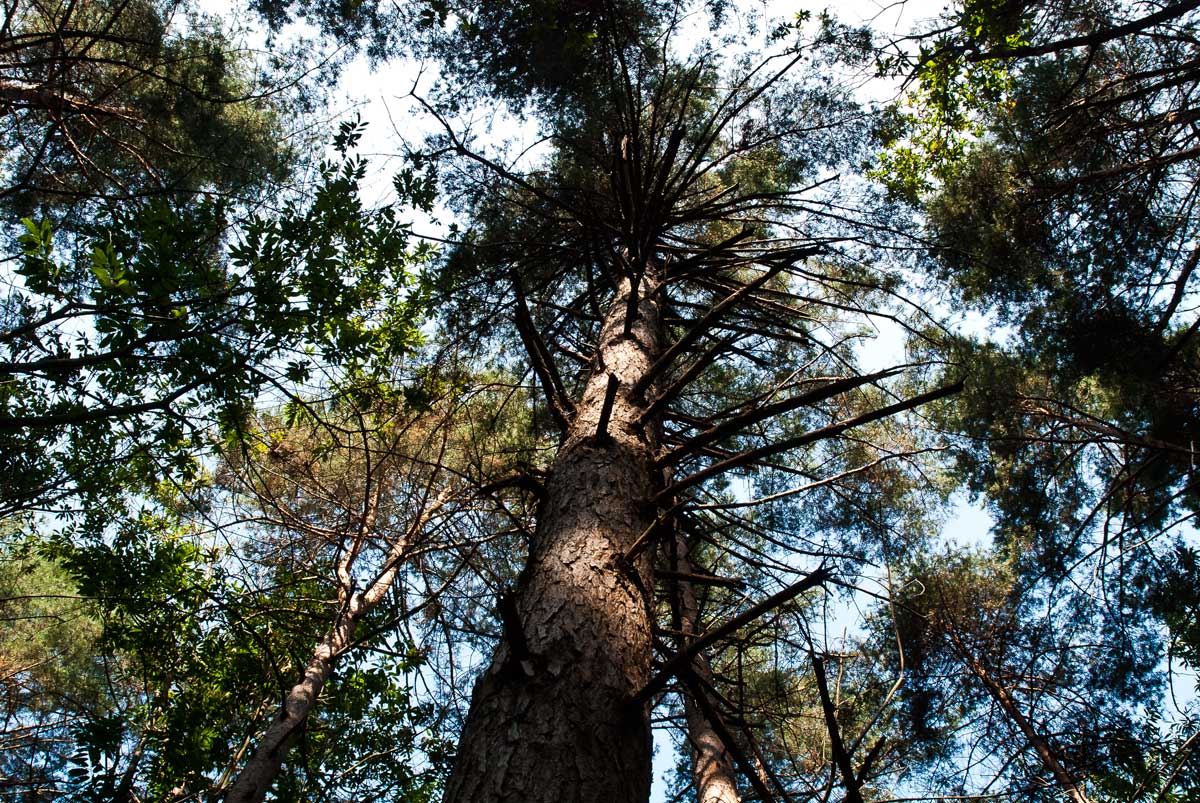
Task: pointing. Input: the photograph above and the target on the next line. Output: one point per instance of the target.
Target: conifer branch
(687, 377)
(758, 414)
(669, 356)
(610, 396)
(542, 362)
(753, 455)
(1093, 39)
(684, 657)
(706, 257)
(840, 757)
(701, 579)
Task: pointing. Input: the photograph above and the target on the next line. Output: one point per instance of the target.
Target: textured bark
(712, 765)
(552, 718)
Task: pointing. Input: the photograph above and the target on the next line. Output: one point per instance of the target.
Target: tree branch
(757, 414)
(1091, 39)
(830, 431)
(679, 346)
(840, 757)
(542, 362)
(683, 658)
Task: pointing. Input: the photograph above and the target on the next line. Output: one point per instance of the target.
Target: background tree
(1069, 219)
(50, 683)
(300, 557)
(359, 497)
(676, 474)
(186, 657)
(116, 101)
(1052, 150)
(148, 309)
(116, 362)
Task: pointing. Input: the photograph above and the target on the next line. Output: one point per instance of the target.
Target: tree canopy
(677, 428)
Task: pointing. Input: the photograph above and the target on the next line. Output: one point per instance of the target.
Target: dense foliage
(280, 481)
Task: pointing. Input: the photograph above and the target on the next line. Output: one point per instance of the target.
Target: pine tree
(678, 288)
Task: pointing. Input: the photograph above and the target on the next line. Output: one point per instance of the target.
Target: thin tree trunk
(263, 767)
(552, 719)
(712, 765)
(1039, 744)
(256, 778)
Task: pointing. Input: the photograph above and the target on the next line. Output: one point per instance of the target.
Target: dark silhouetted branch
(766, 411)
(542, 362)
(701, 579)
(683, 659)
(749, 457)
(840, 757)
(696, 332)
(610, 396)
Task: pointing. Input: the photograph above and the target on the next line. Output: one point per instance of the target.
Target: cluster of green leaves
(164, 661)
(952, 98)
(546, 54)
(1067, 215)
(176, 677)
(114, 363)
(1074, 223)
(370, 740)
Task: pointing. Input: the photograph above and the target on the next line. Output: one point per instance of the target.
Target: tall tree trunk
(712, 765)
(551, 719)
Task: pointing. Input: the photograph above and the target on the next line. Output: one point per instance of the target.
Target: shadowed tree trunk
(552, 719)
(712, 765)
